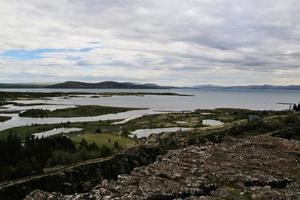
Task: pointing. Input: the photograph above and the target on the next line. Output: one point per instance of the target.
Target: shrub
(291, 119)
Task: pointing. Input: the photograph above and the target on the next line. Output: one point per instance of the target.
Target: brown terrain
(251, 167)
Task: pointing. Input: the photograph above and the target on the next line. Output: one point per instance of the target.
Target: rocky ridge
(252, 167)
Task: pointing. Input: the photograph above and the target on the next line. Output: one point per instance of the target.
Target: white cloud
(167, 42)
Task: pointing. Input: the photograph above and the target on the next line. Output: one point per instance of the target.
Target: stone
(240, 168)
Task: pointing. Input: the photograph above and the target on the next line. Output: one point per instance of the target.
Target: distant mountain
(128, 85)
(269, 87)
(107, 85)
(22, 85)
(266, 87)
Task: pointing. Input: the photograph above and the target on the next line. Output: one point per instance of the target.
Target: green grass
(89, 132)
(165, 120)
(149, 121)
(193, 119)
(24, 131)
(101, 139)
(88, 127)
(79, 111)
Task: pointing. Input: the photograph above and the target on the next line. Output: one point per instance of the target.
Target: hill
(107, 85)
(129, 85)
(83, 85)
(262, 87)
(21, 85)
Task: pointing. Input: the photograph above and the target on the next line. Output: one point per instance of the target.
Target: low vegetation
(111, 140)
(22, 155)
(141, 94)
(192, 119)
(4, 118)
(87, 127)
(101, 138)
(10, 96)
(79, 111)
(19, 159)
(293, 129)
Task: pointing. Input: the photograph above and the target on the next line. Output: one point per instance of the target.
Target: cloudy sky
(169, 42)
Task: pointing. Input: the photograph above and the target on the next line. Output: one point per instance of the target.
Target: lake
(56, 131)
(140, 133)
(203, 99)
(256, 99)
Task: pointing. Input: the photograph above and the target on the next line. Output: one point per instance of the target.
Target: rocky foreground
(257, 167)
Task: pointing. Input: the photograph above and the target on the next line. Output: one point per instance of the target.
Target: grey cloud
(209, 40)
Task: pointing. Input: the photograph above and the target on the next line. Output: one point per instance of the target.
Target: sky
(167, 42)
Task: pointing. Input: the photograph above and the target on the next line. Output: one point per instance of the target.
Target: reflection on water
(140, 133)
(55, 132)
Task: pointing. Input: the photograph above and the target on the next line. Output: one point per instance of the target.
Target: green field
(102, 139)
(24, 131)
(88, 127)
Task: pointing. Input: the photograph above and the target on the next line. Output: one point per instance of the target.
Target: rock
(244, 168)
(82, 177)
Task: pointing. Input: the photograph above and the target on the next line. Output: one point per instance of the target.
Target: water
(203, 99)
(17, 121)
(211, 122)
(55, 132)
(256, 99)
(140, 133)
(48, 107)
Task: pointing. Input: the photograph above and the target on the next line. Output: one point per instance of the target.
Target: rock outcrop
(84, 176)
(253, 167)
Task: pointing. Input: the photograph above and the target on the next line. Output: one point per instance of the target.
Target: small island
(4, 118)
(79, 111)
